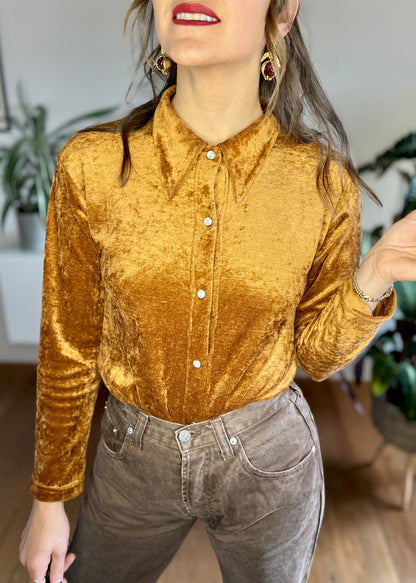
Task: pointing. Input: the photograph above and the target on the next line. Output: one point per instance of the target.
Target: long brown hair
(296, 91)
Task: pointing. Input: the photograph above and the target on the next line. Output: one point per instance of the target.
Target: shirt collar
(178, 148)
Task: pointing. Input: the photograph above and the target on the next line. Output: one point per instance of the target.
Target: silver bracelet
(363, 296)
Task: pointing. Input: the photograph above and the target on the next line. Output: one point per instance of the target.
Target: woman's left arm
(333, 323)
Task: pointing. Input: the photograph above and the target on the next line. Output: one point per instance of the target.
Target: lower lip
(193, 22)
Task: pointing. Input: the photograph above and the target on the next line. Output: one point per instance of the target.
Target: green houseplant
(393, 353)
(28, 164)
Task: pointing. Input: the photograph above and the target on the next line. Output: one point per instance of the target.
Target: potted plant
(393, 353)
(28, 165)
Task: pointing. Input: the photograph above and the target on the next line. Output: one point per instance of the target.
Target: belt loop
(297, 390)
(222, 438)
(140, 426)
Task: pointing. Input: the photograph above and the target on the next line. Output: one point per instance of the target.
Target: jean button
(184, 435)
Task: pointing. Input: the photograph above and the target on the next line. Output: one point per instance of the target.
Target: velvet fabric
(195, 289)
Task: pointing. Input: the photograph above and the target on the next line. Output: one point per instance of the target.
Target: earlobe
(284, 28)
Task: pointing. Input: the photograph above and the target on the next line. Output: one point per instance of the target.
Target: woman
(223, 255)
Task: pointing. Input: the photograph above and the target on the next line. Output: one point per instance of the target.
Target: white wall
(71, 56)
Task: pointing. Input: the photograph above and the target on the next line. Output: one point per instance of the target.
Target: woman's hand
(392, 258)
(45, 539)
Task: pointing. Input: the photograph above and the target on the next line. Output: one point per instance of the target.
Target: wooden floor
(365, 537)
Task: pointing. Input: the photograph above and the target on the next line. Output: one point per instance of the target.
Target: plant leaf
(29, 117)
(409, 351)
(410, 198)
(6, 207)
(384, 369)
(405, 175)
(41, 198)
(406, 379)
(406, 298)
(83, 117)
(41, 120)
(403, 148)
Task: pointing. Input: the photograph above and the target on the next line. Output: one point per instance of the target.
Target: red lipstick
(185, 12)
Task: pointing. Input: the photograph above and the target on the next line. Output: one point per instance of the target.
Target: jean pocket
(116, 430)
(279, 446)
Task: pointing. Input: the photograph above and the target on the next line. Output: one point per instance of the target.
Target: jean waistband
(218, 430)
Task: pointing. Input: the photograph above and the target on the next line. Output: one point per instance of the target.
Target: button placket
(203, 254)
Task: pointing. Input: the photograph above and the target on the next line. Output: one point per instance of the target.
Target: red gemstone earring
(163, 63)
(267, 68)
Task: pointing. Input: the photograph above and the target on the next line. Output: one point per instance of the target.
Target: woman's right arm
(67, 373)
(70, 334)
(45, 539)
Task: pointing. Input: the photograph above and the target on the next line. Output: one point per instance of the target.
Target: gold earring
(267, 67)
(163, 63)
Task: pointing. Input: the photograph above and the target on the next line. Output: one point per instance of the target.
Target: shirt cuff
(384, 310)
(58, 494)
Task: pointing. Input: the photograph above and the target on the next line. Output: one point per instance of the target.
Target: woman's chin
(187, 55)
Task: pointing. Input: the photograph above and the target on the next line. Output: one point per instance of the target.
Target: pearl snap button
(115, 430)
(184, 436)
(208, 221)
(196, 363)
(233, 441)
(201, 293)
(130, 430)
(211, 154)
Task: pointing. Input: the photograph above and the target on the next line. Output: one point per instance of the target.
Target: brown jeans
(254, 476)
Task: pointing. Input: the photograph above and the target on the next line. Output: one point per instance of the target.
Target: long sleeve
(333, 324)
(71, 323)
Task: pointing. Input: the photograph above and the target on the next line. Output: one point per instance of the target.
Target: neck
(217, 104)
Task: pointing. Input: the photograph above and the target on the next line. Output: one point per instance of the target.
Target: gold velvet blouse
(195, 289)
